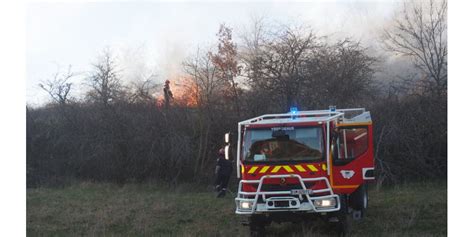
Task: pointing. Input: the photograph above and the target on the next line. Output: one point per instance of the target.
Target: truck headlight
(326, 202)
(245, 205)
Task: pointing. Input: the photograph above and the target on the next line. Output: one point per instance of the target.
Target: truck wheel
(359, 200)
(257, 226)
(257, 230)
(342, 220)
(344, 225)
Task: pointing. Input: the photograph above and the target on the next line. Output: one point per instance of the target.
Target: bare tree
(104, 80)
(337, 74)
(251, 58)
(420, 32)
(288, 56)
(203, 74)
(143, 91)
(59, 86)
(274, 60)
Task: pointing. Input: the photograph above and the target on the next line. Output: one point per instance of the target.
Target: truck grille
(282, 203)
(284, 187)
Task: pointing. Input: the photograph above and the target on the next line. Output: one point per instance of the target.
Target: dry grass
(145, 210)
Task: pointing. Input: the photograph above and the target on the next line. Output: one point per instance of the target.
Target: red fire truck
(304, 164)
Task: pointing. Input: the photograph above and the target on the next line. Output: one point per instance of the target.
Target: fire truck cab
(304, 164)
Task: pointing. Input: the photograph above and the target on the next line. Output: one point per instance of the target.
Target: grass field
(146, 210)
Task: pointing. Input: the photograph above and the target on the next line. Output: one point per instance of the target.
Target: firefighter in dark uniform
(168, 94)
(223, 172)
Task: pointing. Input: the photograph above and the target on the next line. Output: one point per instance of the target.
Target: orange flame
(185, 92)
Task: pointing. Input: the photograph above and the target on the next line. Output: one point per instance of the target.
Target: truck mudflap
(301, 200)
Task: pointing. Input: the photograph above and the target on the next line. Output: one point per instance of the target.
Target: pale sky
(157, 36)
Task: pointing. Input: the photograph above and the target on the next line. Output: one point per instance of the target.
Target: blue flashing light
(293, 110)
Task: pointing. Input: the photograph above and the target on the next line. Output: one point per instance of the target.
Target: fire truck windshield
(283, 144)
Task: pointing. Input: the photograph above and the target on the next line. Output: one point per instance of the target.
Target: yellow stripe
(288, 168)
(243, 169)
(264, 169)
(276, 169)
(300, 168)
(312, 168)
(253, 169)
(324, 167)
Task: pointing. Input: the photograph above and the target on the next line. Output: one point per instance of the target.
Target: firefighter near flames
(302, 165)
(168, 95)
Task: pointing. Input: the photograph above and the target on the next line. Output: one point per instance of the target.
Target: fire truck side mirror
(227, 146)
(227, 138)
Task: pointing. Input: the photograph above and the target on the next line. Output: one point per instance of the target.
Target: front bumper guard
(299, 204)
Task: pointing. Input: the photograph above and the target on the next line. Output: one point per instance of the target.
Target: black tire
(257, 230)
(359, 200)
(256, 226)
(343, 226)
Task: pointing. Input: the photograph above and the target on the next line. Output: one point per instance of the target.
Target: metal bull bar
(301, 206)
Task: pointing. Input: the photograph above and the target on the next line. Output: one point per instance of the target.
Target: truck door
(351, 155)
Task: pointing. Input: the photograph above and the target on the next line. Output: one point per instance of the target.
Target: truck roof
(345, 116)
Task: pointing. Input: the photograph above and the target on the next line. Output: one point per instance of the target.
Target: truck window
(351, 142)
(283, 144)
